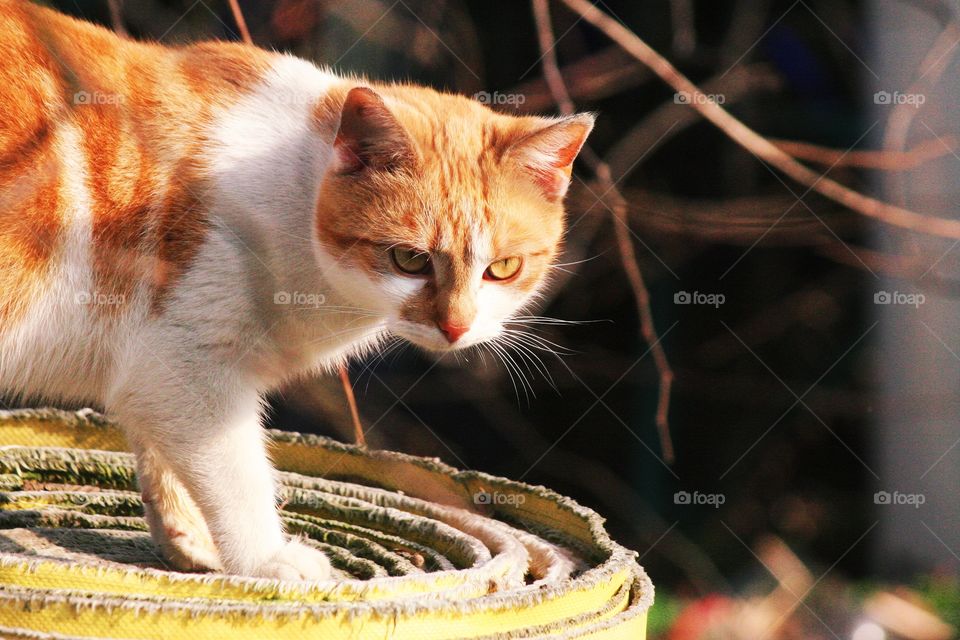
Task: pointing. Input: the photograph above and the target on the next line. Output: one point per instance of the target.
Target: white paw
(190, 552)
(183, 539)
(295, 561)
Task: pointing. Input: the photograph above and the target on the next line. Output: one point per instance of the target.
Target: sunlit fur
(183, 229)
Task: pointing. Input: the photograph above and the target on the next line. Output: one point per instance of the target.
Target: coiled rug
(422, 551)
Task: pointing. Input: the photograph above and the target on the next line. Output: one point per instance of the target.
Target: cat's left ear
(548, 153)
(369, 136)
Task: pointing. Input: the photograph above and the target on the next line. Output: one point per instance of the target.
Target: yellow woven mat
(422, 551)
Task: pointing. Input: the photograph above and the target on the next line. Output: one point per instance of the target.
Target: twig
(241, 23)
(757, 144)
(928, 74)
(548, 51)
(593, 77)
(909, 268)
(672, 118)
(116, 16)
(358, 436)
(741, 221)
(618, 209)
(647, 327)
(605, 483)
(738, 221)
(883, 160)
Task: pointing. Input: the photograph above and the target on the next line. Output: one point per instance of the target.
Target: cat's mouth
(438, 344)
(432, 338)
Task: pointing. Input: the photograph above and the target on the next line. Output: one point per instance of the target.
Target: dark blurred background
(813, 418)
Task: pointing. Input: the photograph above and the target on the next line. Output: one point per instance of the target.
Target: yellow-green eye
(410, 261)
(503, 269)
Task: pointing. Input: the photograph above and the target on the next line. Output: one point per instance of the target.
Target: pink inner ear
(548, 154)
(369, 136)
(567, 154)
(556, 182)
(348, 156)
(553, 182)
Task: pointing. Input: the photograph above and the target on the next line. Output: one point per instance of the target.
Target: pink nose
(452, 331)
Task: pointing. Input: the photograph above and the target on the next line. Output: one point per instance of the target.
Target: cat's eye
(503, 269)
(410, 261)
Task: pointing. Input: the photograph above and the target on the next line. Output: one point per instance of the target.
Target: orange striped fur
(184, 228)
(140, 110)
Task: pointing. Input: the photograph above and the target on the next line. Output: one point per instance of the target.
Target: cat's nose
(452, 331)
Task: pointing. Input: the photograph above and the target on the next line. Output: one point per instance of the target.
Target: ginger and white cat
(182, 229)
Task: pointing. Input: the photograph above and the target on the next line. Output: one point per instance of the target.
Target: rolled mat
(421, 551)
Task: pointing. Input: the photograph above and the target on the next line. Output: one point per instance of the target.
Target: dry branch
(116, 16)
(738, 221)
(757, 144)
(928, 74)
(618, 210)
(671, 118)
(241, 23)
(594, 77)
(890, 160)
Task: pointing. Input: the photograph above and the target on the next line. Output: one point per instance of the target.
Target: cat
(182, 229)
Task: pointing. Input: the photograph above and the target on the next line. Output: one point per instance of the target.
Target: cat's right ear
(548, 153)
(369, 137)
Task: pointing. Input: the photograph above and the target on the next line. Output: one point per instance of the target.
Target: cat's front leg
(208, 431)
(176, 524)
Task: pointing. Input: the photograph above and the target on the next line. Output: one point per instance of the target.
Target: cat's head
(440, 214)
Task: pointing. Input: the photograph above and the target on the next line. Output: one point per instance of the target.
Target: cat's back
(102, 163)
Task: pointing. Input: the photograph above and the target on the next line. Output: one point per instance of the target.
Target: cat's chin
(439, 346)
